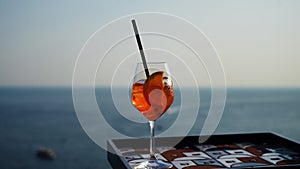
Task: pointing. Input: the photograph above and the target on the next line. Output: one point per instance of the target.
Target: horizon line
(124, 86)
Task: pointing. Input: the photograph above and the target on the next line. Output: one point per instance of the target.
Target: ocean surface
(31, 118)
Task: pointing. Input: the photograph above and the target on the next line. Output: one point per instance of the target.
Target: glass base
(153, 164)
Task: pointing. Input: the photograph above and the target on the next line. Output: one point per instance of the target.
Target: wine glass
(152, 96)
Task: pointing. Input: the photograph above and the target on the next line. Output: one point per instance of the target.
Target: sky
(257, 41)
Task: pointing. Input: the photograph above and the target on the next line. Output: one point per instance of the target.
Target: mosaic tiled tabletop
(259, 150)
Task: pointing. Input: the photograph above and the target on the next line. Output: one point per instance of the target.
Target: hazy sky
(258, 41)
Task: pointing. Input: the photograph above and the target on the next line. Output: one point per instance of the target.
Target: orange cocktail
(153, 96)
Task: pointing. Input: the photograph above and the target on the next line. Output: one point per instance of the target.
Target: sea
(35, 117)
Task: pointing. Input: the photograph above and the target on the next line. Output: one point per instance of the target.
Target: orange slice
(158, 92)
(155, 81)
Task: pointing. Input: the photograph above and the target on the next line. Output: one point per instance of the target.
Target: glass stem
(152, 141)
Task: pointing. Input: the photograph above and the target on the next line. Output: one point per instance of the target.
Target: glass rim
(159, 62)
